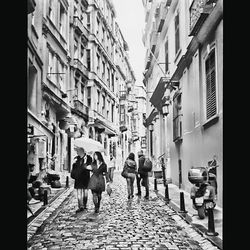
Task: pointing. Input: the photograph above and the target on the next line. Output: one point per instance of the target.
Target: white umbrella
(88, 144)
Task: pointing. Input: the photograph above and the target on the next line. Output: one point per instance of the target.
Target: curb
(47, 210)
(188, 218)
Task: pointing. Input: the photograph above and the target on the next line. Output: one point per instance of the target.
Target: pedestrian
(111, 168)
(131, 168)
(142, 177)
(97, 181)
(81, 175)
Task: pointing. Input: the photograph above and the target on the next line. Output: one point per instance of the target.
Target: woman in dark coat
(81, 176)
(97, 181)
(131, 168)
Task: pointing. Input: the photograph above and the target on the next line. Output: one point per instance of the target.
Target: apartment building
(74, 82)
(184, 81)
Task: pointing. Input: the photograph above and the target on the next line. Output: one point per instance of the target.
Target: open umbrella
(88, 144)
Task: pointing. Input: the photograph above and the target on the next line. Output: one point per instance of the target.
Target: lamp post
(151, 128)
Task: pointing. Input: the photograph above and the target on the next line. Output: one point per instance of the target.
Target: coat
(141, 161)
(130, 165)
(97, 182)
(83, 176)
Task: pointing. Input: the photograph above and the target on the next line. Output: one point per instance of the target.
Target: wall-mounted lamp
(151, 127)
(165, 109)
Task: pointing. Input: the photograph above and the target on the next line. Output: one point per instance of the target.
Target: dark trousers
(144, 179)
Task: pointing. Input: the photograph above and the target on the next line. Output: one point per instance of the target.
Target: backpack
(147, 166)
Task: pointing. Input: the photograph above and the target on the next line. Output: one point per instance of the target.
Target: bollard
(182, 203)
(166, 193)
(67, 181)
(211, 230)
(155, 182)
(45, 197)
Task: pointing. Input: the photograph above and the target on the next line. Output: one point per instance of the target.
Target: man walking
(141, 175)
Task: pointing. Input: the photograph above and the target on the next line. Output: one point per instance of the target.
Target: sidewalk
(192, 215)
(38, 205)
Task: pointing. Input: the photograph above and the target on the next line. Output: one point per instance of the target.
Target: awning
(151, 117)
(107, 129)
(157, 97)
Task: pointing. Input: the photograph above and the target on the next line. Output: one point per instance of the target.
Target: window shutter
(210, 86)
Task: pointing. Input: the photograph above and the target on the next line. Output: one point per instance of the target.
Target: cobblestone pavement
(121, 224)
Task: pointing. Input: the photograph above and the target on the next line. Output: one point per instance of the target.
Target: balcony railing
(80, 66)
(80, 26)
(79, 106)
(199, 11)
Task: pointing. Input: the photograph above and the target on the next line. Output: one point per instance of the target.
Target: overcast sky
(130, 18)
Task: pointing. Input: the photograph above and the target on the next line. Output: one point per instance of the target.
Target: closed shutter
(211, 109)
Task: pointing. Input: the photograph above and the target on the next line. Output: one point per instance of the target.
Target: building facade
(75, 78)
(184, 80)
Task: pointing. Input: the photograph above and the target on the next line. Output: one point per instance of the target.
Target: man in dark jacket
(82, 177)
(142, 176)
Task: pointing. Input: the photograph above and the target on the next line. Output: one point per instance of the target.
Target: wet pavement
(121, 224)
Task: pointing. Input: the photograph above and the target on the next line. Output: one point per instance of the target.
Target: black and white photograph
(124, 124)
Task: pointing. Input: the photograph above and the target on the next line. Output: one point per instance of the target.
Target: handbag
(97, 183)
(124, 173)
(76, 171)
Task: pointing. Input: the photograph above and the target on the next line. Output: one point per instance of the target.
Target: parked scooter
(203, 192)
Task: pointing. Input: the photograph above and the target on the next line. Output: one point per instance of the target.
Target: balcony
(80, 107)
(77, 64)
(199, 11)
(31, 6)
(77, 23)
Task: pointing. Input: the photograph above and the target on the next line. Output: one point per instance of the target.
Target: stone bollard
(67, 181)
(182, 203)
(45, 197)
(211, 230)
(155, 184)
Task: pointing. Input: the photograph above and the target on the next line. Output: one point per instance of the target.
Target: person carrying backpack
(142, 176)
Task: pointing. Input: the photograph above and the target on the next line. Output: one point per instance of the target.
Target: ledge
(210, 121)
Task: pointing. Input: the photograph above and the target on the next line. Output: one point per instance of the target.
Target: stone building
(184, 81)
(74, 80)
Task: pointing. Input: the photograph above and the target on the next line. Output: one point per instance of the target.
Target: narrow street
(121, 224)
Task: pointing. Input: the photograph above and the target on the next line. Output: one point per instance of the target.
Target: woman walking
(81, 175)
(131, 168)
(97, 181)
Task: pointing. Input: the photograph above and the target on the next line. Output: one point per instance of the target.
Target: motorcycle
(203, 190)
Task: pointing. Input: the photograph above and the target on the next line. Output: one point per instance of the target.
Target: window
(82, 93)
(103, 70)
(88, 59)
(62, 22)
(52, 10)
(61, 76)
(177, 122)
(89, 96)
(211, 104)
(108, 76)
(98, 101)
(98, 63)
(98, 24)
(103, 104)
(177, 34)
(75, 48)
(113, 82)
(166, 56)
(112, 112)
(82, 53)
(122, 113)
(88, 21)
